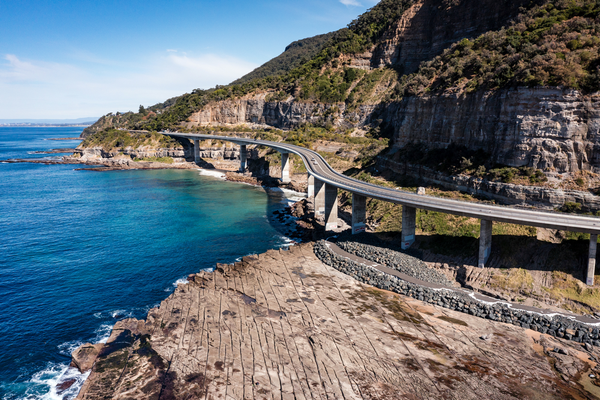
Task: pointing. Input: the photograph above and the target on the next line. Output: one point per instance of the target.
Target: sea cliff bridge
(324, 182)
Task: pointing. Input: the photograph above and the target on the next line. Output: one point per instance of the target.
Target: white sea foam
(67, 348)
(120, 314)
(210, 172)
(45, 382)
(102, 333)
(287, 192)
(180, 281)
(98, 315)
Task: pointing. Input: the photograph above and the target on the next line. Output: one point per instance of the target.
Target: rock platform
(283, 325)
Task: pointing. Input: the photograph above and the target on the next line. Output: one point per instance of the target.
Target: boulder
(85, 356)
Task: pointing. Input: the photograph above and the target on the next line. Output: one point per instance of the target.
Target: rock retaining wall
(557, 326)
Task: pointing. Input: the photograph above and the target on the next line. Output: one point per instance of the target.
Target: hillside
(296, 54)
(513, 80)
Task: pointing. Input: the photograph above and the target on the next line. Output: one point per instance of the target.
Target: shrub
(570, 207)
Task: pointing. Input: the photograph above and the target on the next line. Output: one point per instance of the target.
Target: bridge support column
(196, 151)
(285, 168)
(409, 224)
(311, 186)
(359, 213)
(331, 207)
(243, 157)
(591, 269)
(319, 199)
(485, 242)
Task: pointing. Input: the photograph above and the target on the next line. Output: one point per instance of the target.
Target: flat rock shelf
(283, 325)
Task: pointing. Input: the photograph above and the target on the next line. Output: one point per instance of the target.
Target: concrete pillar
(485, 242)
(359, 213)
(285, 168)
(243, 157)
(196, 151)
(589, 279)
(331, 207)
(311, 186)
(409, 224)
(319, 198)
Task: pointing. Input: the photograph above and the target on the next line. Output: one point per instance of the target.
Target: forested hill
(296, 54)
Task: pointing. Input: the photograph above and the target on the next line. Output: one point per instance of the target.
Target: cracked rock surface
(283, 325)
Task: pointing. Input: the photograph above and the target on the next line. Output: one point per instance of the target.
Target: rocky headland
(285, 325)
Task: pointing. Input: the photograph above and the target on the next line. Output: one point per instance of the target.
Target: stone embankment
(401, 262)
(431, 291)
(283, 325)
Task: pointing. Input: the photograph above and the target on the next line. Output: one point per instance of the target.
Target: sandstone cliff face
(546, 128)
(258, 112)
(225, 152)
(504, 193)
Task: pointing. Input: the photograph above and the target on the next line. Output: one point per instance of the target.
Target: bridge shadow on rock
(521, 268)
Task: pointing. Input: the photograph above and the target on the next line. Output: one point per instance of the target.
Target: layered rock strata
(284, 325)
(551, 129)
(503, 193)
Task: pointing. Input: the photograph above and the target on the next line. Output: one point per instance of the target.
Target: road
(320, 169)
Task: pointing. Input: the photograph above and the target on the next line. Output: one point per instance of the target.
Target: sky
(71, 59)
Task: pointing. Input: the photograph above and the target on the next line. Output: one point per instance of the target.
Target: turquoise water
(81, 249)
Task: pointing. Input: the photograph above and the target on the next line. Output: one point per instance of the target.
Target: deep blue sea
(81, 249)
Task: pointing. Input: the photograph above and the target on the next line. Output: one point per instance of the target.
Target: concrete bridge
(324, 182)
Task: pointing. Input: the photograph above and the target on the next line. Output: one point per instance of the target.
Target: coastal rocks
(97, 153)
(85, 356)
(284, 325)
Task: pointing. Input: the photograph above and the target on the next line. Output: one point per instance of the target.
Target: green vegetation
(112, 139)
(330, 86)
(555, 44)
(566, 287)
(571, 207)
(166, 160)
(516, 279)
(296, 54)
(456, 159)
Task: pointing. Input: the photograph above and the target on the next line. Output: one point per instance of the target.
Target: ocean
(80, 250)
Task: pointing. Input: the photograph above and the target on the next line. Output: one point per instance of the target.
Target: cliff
(550, 129)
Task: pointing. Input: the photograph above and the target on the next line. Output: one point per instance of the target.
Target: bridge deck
(320, 169)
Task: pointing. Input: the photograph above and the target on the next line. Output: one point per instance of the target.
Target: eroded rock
(84, 357)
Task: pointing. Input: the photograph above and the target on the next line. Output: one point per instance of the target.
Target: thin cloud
(37, 89)
(350, 3)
